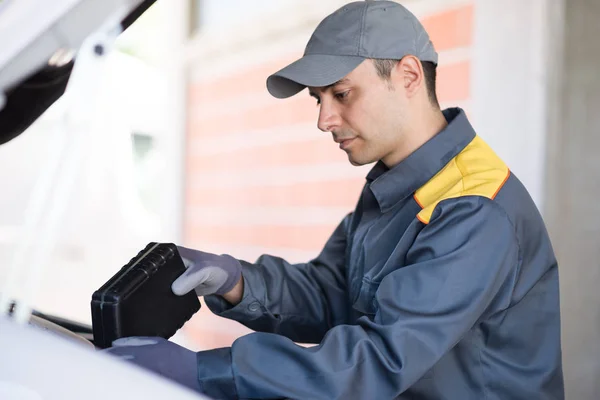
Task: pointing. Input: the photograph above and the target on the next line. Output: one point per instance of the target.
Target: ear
(410, 70)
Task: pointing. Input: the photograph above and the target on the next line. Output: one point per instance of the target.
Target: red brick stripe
(342, 193)
(301, 153)
(276, 113)
(291, 237)
(453, 82)
(451, 29)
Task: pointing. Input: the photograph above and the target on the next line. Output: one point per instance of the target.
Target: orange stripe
(453, 82)
(418, 202)
(420, 205)
(340, 193)
(501, 185)
(451, 29)
(311, 237)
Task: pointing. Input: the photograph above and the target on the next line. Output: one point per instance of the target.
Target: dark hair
(384, 70)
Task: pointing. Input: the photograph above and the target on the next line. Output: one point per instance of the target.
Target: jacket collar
(390, 186)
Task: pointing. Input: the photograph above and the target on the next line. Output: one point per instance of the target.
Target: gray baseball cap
(345, 38)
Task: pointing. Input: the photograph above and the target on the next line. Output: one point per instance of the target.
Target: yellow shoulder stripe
(475, 171)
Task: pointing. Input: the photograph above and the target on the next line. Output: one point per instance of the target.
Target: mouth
(345, 143)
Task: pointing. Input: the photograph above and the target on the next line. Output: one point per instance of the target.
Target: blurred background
(188, 147)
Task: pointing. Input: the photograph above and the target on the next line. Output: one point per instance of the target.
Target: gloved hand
(207, 273)
(160, 356)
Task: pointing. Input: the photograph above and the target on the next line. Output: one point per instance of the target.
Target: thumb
(188, 281)
(187, 263)
(191, 254)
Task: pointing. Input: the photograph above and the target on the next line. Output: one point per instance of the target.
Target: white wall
(573, 188)
(509, 83)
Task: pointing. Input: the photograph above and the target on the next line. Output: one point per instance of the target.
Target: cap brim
(315, 70)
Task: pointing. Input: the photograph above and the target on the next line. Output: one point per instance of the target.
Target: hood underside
(29, 99)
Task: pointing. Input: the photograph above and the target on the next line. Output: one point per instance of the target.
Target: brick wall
(260, 177)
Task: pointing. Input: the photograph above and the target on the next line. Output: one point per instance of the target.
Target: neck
(427, 124)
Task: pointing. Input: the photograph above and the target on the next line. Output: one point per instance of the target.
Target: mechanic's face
(369, 116)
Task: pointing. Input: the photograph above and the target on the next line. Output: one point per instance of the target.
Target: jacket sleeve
(299, 301)
(459, 265)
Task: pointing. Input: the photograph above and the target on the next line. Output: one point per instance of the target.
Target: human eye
(342, 95)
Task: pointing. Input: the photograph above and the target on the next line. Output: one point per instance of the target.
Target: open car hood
(31, 33)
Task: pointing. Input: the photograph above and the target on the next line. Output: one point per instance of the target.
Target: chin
(358, 162)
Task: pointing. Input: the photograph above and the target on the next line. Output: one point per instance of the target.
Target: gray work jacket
(441, 284)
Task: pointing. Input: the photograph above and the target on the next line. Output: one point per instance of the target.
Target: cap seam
(416, 38)
(362, 29)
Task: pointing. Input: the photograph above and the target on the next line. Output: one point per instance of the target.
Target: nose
(329, 119)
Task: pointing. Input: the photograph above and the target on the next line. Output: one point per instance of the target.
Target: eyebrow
(343, 80)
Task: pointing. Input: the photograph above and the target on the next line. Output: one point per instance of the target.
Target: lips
(345, 143)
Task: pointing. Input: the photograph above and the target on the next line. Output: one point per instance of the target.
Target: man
(441, 284)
